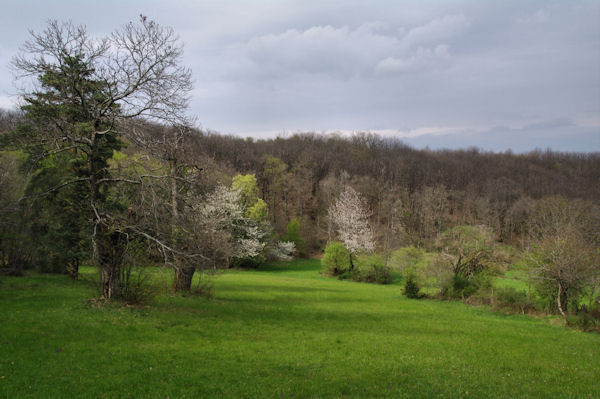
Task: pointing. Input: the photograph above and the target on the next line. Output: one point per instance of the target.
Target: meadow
(281, 331)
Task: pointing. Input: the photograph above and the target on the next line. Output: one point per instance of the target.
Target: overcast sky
(497, 75)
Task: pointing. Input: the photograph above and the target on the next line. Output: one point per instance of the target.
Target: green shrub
(336, 259)
(372, 269)
(137, 288)
(292, 234)
(513, 299)
(463, 287)
(585, 321)
(205, 287)
(411, 287)
(407, 258)
(249, 262)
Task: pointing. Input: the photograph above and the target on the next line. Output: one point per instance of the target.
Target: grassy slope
(280, 332)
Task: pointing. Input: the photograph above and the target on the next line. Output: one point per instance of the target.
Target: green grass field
(516, 279)
(279, 332)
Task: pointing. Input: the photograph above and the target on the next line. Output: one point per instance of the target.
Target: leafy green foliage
(371, 269)
(257, 211)
(336, 259)
(15, 253)
(57, 220)
(469, 251)
(248, 188)
(292, 234)
(407, 258)
(513, 299)
(411, 287)
(59, 191)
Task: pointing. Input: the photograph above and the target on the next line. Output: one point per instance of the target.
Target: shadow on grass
(274, 288)
(298, 265)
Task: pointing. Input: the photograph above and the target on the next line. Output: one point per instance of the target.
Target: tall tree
(81, 91)
(350, 215)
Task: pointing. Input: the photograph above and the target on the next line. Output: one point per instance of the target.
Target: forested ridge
(437, 188)
(300, 174)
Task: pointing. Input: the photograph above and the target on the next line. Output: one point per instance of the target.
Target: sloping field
(282, 331)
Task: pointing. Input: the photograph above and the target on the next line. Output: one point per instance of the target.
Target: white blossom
(224, 210)
(283, 250)
(350, 216)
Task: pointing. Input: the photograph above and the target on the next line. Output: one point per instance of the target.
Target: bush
(515, 300)
(435, 273)
(371, 269)
(137, 287)
(249, 262)
(463, 287)
(585, 320)
(411, 287)
(546, 291)
(407, 258)
(205, 287)
(336, 259)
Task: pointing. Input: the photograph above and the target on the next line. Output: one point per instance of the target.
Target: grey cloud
(423, 59)
(265, 66)
(371, 48)
(439, 29)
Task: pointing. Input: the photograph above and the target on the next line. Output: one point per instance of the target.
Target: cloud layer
(496, 75)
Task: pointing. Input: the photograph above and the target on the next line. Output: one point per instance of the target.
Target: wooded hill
(418, 193)
(423, 191)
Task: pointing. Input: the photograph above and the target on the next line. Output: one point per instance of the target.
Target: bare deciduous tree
(563, 248)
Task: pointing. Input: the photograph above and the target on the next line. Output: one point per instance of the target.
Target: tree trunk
(183, 278)
(183, 273)
(111, 247)
(111, 281)
(351, 263)
(559, 298)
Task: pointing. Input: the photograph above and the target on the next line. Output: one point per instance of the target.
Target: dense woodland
(422, 191)
(427, 191)
(102, 165)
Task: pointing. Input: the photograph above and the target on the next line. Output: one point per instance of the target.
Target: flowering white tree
(350, 216)
(282, 250)
(224, 211)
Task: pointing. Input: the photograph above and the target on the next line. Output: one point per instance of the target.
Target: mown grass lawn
(282, 331)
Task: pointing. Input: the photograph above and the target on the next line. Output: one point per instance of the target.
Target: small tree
(336, 259)
(469, 251)
(223, 213)
(563, 248)
(350, 215)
